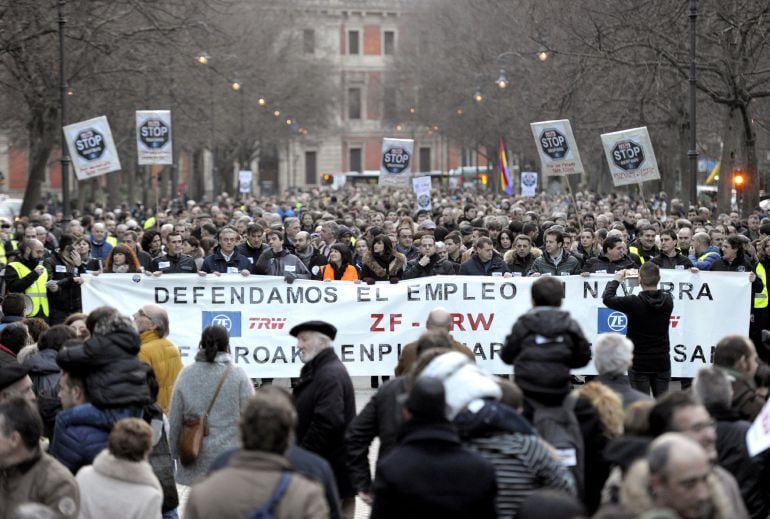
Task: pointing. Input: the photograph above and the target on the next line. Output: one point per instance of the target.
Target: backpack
(560, 428)
(270, 508)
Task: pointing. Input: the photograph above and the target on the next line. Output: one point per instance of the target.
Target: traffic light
(483, 178)
(739, 179)
(327, 179)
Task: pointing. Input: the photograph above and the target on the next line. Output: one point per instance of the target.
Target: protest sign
(154, 144)
(630, 156)
(528, 183)
(245, 177)
(758, 435)
(421, 187)
(376, 321)
(91, 147)
(557, 148)
(396, 163)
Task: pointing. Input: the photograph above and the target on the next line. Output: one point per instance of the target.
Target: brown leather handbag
(194, 429)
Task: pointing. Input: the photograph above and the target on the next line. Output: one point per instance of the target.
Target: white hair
(613, 353)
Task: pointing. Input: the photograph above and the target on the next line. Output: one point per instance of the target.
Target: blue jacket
(217, 262)
(100, 250)
(705, 260)
(81, 433)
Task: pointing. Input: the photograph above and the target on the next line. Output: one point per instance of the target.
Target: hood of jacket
(42, 362)
(657, 299)
(546, 320)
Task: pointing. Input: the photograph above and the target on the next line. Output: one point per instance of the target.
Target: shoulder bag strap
(216, 392)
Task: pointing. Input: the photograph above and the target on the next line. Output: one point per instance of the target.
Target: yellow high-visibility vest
(634, 250)
(36, 291)
(3, 252)
(760, 300)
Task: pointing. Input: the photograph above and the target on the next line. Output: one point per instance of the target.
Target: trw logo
(675, 320)
(267, 323)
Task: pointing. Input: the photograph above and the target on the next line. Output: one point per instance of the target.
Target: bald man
(151, 321)
(439, 320)
(680, 477)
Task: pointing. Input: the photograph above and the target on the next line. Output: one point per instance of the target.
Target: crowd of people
(99, 417)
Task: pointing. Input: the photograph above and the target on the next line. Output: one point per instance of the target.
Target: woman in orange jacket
(340, 266)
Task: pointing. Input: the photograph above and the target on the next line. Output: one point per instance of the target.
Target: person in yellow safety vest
(644, 246)
(7, 248)
(27, 275)
(761, 313)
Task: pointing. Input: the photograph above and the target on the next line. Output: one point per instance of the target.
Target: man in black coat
(429, 474)
(544, 345)
(173, 262)
(648, 315)
(325, 403)
(612, 258)
(712, 386)
(429, 263)
(485, 261)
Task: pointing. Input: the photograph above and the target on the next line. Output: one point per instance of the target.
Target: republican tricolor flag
(505, 175)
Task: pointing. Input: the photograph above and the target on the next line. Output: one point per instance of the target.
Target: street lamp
(502, 81)
(237, 86)
(261, 101)
(203, 58)
(65, 155)
(543, 54)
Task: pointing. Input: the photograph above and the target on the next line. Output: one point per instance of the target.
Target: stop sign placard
(554, 143)
(627, 155)
(154, 133)
(89, 144)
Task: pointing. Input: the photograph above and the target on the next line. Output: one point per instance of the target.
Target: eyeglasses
(6, 226)
(701, 426)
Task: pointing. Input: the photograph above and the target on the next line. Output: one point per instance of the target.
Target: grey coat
(192, 392)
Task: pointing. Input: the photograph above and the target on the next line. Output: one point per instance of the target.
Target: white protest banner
(91, 147)
(375, 322)
(396, 163)
(528, 183)
(758, 435)
(557, 148)
(154, 144)
(630, 156)
(421, 187)
(244, 180)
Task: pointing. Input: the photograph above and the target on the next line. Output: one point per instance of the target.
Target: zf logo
(230, 320)
(611, 321)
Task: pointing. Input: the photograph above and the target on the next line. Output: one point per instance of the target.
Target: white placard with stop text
(557, 148)
(630, 156)
(92, 148)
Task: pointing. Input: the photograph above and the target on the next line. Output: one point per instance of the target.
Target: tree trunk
(749, 193)
(729, 156)
(42, 129)
(114, 181)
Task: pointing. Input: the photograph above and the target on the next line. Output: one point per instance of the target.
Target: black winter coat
(602, 264)
(182, 264)
(474, 266)
(252, 254)
(430, 475)
(438, 266)
(649, 315)
(544, 344)
(67, 299)
(325, 407)
(751, 474)
(45, 374)
(114, 376)
(381, 417)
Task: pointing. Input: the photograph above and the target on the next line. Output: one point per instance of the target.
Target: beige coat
(247, 482)
(39, 480)
(113, 487)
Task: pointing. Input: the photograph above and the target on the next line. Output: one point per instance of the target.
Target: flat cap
(315, 326)
(10, 374)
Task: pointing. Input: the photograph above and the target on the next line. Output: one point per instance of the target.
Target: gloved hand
(393, 280)
(289, 277)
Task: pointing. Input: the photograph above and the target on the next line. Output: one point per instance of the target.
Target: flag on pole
(505, 175)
